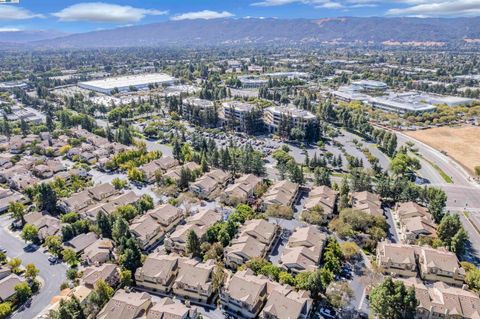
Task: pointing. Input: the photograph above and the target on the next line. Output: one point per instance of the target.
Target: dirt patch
(460, 143)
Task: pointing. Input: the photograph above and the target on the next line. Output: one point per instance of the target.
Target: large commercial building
(370, 85)
(401, 105)
(125, 83)
(236, 111)
(274, 115)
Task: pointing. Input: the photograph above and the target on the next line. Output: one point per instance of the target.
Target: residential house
(8, 196)
(367, 202)
(126, 305)
(443, 301)
(284, 302)
(7, 286)
(199, 223)
(194, 280)
(440, 265)
(397, 259)
(79, 243)
(174, 173)
(283, 193)
(158, 272)
(160, 165)
(303, 250)
(98, 252)
(167, 308)
(150, 228)
(432, 264)
(242, 190)
(244, 294)
(414, 222)
(255, 239)
(109, 273)
(209, 183)
(324, 197)
(46, 224)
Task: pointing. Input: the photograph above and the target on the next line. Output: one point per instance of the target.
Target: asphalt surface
(52, 276)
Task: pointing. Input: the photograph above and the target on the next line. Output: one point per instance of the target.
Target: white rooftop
(129, 80)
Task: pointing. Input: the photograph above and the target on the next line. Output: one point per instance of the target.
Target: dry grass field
(461, 143)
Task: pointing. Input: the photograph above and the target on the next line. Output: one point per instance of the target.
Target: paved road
(52, 275)
(463, 194)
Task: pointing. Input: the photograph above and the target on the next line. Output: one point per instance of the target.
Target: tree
(339, 294)
(31, 272)
(70, 257)
(120, 231)
(448, 227)
(350, 250)
(5, 310)
(218, 277)
(144, 203)
(46, 198)
(322, 176)
(119, 183)
(14, 263)
(459, 242)
(193, 244)
(30, 233)
(402, 164)
(17, 210)
(279, 211)
(101, 294)
(131, 257)
(104, 223)
(126, 279)
(22, 292)
(437, 200)
(69, 309)
(392, 300)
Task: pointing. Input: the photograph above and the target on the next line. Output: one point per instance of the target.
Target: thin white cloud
(10, 29)
(438, 8)
(205, 15)
(331, 5)
(105, 12)
(274, 3)
(17, 13)
(326, 4)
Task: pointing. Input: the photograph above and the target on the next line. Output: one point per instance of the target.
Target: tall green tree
(392, 300)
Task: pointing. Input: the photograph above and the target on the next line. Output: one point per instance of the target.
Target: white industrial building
(399, 104)
(124, 83)
(370, 85)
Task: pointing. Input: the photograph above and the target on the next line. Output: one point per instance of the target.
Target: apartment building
(282, 193)
(431, 264)
(367, 202)
(174, 173)
(199, 223)
(209, 183)
(109, 273)
(275, 116)
(255, 239)
(324, 197)
(150, 228)
(303, 250)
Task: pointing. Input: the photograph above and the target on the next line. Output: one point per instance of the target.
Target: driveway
(52, 275)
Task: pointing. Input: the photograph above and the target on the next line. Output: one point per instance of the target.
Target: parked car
(3, 250)
(53, 259)
(328, 313)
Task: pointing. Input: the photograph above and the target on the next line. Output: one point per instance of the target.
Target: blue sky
(80, 16)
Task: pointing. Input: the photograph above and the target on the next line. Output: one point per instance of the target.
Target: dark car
(53, 259)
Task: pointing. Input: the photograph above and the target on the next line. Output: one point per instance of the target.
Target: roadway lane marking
(362, 299)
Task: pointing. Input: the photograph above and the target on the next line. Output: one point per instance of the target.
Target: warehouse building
(126, 83)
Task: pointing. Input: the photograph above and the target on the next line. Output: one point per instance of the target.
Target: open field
(460, 143)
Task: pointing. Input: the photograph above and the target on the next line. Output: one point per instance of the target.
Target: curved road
(52, 275)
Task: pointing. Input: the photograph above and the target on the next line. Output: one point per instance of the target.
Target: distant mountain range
(25, 36)
(392, 31)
